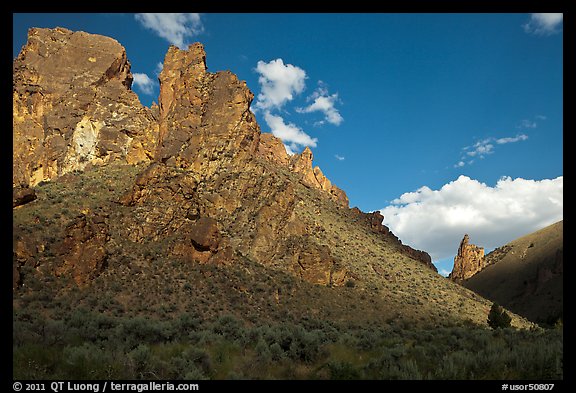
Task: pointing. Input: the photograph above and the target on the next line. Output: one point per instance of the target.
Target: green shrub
(498, 318)
(140, 359)
(343, 371)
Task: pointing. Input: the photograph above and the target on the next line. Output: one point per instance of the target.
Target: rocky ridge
(214, 188)
(210, 195)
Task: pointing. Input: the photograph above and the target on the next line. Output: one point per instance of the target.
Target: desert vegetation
(95, 335)
(85, 344)
(149, 315)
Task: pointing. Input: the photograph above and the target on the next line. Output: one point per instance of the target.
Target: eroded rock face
(73, 107)
(314, 178)
(314, 262)
(215, 188)
(167, 200)
(205, 120)
(24, 253)
(272, 149)
(469, 260)
(209, 175)
(83, 250)
(22, 195)
(201, 241)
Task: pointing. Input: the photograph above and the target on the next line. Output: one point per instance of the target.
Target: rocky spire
(469, 260)
(205, 118)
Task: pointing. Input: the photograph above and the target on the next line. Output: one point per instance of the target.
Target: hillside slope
(203, 187)
(526, 275)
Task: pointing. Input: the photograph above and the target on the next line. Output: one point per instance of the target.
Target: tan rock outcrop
(205, 120)
(211, 190)
(314, 262)
(22, 195)
(469, 260)
(215, 187)
(83, 250)
(314, 178)
(272, 149)
(24, 253)
(73, 107)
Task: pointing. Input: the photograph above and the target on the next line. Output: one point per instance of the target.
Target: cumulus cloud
(143, 83)
(544, 23)
(177, 29)
(279, 83)
(436, 220)
(324, 102)
(485, 147)
(292, 136)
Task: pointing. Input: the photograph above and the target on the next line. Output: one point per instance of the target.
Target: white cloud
(292, 136)
(543, 24)
(339, 157)
(279, 83)
(444, 272)
(527, 124)
(289, 150)
(159, 68)
(517, 138)
(480, 148)
(174, 28)
(436, 220)
(144, 83)
(485, 147)
(325, 103)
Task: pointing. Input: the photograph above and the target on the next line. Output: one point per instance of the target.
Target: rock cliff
(213, 188)
(468, 261)
(73, 107)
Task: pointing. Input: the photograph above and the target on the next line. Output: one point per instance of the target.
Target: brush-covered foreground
(82, 335)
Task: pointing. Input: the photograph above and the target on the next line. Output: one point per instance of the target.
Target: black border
(412, 6)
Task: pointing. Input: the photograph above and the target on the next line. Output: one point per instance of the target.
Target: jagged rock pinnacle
(469, 260)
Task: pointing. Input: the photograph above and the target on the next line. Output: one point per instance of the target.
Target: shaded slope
(526, 275)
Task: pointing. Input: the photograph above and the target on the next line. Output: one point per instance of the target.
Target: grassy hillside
(150, 315)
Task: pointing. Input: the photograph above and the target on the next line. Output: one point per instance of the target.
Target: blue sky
(447, 123)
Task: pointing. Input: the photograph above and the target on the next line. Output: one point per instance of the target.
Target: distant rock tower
(468, 262)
